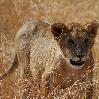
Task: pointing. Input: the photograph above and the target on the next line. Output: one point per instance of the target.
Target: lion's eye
(86, 41)
(70, 42)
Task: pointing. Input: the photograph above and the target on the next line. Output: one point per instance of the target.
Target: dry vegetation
(13, 13)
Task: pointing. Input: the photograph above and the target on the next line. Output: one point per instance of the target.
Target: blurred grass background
(14, 13)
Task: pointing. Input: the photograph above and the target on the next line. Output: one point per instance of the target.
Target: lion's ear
(92, 28)
(57, 29)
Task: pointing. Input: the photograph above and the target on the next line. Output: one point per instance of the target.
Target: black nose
(80, 56)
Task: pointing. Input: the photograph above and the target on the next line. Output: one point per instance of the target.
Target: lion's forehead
(78, 32)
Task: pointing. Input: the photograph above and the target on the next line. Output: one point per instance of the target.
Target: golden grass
(13, 13)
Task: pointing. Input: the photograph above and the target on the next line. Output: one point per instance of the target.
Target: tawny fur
(43, 62)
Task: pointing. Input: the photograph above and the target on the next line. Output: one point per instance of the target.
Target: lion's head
(75, 41)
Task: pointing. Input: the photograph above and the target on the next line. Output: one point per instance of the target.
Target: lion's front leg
(89, 93)
(48, 86)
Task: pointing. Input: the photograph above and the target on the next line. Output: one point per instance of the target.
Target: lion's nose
(80, 56)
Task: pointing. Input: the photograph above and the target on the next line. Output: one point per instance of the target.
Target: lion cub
(55, 56)
(61, 53)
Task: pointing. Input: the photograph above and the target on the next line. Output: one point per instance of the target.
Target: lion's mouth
(76, 63)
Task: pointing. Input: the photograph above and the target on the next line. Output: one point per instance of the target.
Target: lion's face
(75, 41)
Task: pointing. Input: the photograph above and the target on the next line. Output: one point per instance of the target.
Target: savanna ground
(14, 13)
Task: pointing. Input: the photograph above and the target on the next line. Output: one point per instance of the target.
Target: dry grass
(13, 13)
